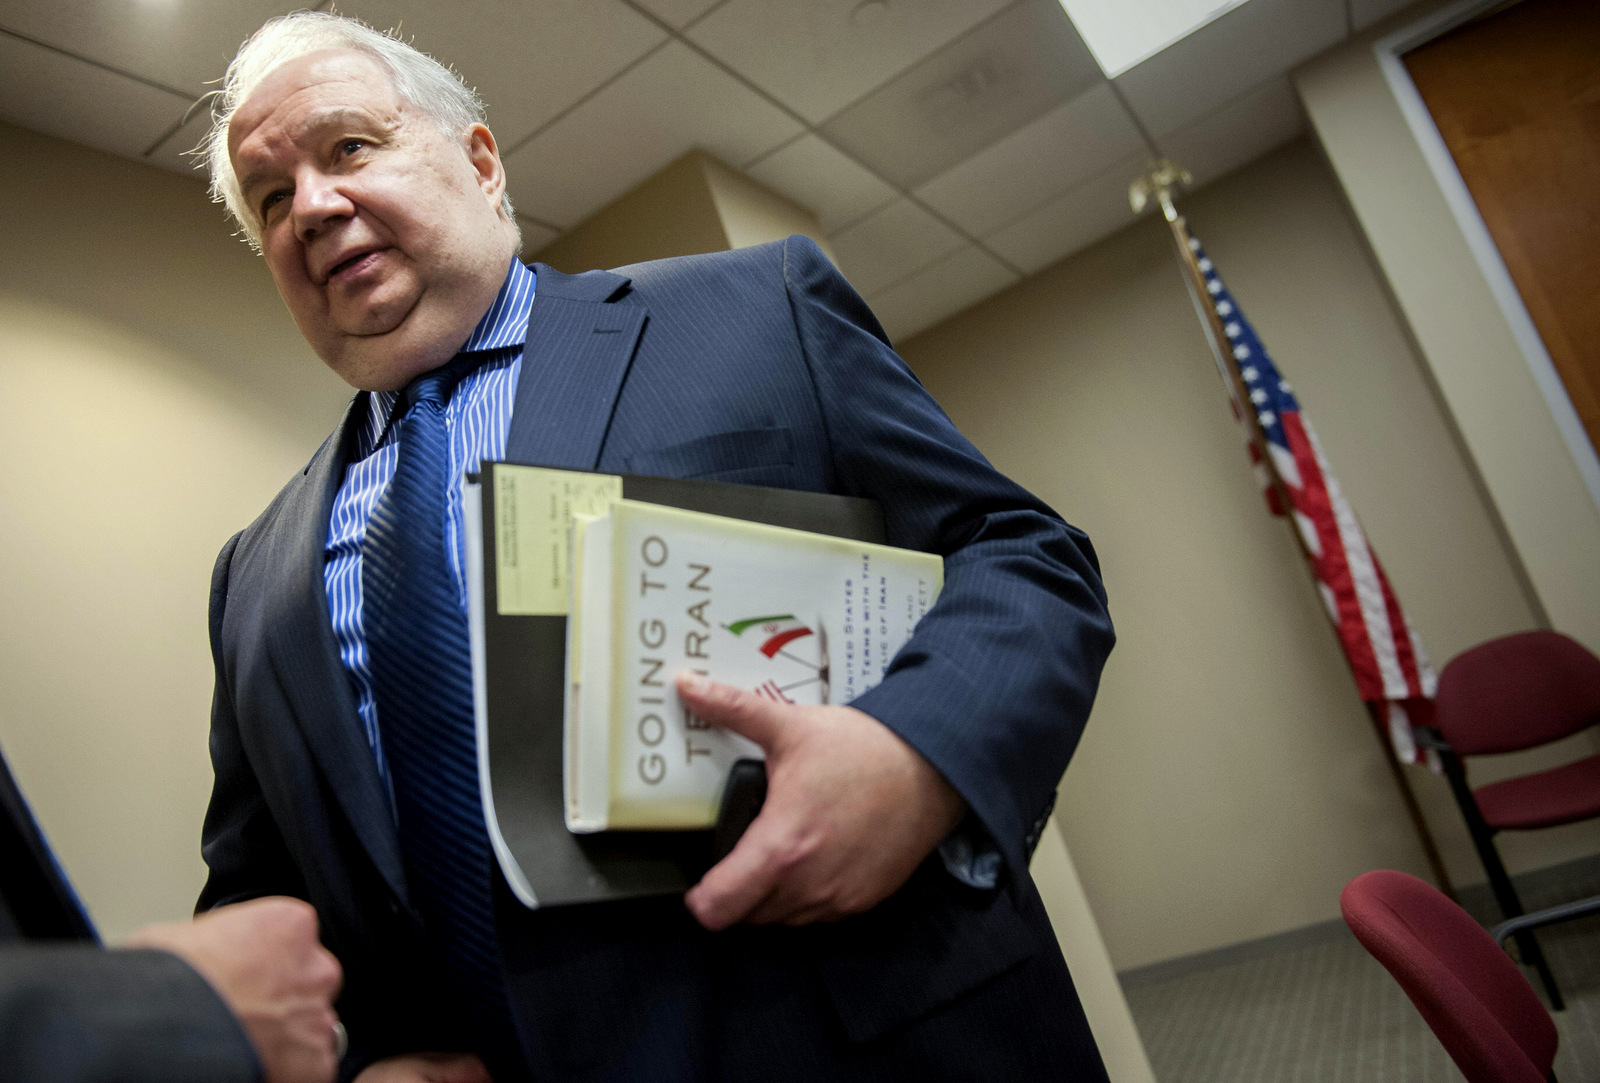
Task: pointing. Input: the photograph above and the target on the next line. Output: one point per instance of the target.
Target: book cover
(795, 616)
(517, 518)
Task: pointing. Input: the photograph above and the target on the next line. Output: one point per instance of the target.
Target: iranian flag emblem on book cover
(773, 633)
(787, 642)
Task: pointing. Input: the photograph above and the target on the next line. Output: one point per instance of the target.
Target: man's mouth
(356, 260)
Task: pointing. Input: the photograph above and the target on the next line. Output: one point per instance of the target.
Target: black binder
(525, 663)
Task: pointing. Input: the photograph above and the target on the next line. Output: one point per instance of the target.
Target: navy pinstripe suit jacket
(763, 366)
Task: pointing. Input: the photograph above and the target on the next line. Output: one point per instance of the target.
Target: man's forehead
(311, 90)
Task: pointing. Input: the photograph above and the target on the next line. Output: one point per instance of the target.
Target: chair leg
(1499, 880)
(1511, 906)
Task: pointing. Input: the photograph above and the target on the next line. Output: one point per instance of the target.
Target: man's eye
(272, 200)
(350, 146)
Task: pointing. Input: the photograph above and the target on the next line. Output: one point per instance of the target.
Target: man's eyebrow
(340, 115)
(332, 117)
(252, 179)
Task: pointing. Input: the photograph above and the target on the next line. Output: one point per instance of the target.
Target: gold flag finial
(1157, 183)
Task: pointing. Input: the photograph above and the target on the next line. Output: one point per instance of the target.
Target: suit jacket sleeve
(78, 1014)
(995, 686)
(240, 841)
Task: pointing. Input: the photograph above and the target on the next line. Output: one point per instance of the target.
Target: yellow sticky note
(533, 510)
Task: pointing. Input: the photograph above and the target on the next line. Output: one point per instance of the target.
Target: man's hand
(851, 811)
(426, 1068)
(263, 958)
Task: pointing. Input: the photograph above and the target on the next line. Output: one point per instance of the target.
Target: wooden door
(1516, 95)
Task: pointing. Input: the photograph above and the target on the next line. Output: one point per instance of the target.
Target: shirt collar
(506, 322)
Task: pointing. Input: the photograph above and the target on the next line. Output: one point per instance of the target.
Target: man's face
(384, 234)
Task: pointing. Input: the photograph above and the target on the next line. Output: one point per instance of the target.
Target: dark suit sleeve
(240, 840)
(995, 686)
(77, 1014)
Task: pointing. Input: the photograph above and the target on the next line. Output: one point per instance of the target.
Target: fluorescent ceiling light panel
(1121, 33)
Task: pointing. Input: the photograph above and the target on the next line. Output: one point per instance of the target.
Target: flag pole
(1158, 183)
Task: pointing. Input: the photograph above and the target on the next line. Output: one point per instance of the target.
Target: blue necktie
(422, 681)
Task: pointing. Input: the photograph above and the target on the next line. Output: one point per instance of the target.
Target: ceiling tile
(678, 13)
(1239, 132)
(941, 289)
(55, 94)
(818, 56)
(170, 154)
(563, 51)
(1075, 219)
(887, 246)
(816, 175)
(180, 43)
(671, 103)
(976, 90)
(1366, 12)
(1065, 146)
(1221, 60)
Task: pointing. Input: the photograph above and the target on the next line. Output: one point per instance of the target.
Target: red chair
(1471, 994)
(1508, 694)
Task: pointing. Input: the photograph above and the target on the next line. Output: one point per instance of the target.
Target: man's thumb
(759, 719)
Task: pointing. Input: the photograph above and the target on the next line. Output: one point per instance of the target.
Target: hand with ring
(265, 961)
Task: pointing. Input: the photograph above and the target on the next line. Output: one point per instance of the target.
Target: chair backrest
(1479, 1005)
(1516, 692)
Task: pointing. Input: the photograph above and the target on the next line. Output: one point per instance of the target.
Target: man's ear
(484, 154)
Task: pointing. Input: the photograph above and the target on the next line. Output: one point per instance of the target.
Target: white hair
(433, 89)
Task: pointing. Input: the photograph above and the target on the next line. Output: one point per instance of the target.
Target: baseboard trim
(1289, 940)
(1536, 887)
(1476, 899)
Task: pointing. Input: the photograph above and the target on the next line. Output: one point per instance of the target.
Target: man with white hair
(877, 920)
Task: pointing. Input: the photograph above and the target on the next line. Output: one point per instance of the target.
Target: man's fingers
(780, 907)
(738, 883)
(759, 719)
(326, 974)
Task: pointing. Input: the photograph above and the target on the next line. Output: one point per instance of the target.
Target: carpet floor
(1329, 1013)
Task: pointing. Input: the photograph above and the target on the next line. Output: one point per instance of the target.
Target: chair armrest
(1550, 916)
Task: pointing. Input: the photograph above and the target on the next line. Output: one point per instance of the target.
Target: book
(517, 521)
(791, 615)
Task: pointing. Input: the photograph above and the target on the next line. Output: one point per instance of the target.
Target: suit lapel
(305, 657)
(578, 351)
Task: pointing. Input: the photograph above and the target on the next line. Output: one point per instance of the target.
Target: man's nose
(318, 202)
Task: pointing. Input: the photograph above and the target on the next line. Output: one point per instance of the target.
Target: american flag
(1386, 657)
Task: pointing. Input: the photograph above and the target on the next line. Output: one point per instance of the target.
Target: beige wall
(752, 213)
(673, 213)
(155, 397)
(1229, 783)
(696, 204)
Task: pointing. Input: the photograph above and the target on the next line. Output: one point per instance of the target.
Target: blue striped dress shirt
(477, 418)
